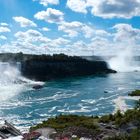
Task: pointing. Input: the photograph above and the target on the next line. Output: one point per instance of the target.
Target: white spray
(123, 61)
(12, 82)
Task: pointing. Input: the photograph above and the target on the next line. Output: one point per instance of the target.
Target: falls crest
(124, 62)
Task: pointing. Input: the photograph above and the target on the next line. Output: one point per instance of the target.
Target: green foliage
(23, 57)
(118, 138)
(135, 93)
(106, 118)
(128, 116)
(138, 105)
(63, 121)
(135, 135)
(119, 119)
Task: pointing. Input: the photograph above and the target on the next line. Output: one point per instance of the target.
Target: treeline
(20, 57)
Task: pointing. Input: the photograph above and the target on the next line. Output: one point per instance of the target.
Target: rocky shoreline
(118, 126)
(96, 129)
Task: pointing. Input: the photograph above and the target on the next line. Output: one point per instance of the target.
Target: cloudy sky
(75, 27)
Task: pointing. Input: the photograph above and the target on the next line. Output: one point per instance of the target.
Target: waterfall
(124, 62)
(11, 81)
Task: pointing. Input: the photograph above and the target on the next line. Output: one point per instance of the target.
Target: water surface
(92, 95)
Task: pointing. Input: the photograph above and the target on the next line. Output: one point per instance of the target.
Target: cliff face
(46, 70)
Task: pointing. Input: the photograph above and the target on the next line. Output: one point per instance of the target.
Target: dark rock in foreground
(61, 66)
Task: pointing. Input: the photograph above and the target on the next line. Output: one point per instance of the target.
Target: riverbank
(118, 126)
(109, 126)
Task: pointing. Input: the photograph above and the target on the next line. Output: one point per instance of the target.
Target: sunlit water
(93, 95)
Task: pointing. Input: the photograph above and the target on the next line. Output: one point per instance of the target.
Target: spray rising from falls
(124, 61)
(12, 82)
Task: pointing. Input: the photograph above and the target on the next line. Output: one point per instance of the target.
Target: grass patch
(93, 124)
(63, 121)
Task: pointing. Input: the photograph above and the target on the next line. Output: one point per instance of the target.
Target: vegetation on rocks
(135, 93)
(119, 126)
(62, 121)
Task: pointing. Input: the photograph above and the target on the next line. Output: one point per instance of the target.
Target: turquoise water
(93, 95)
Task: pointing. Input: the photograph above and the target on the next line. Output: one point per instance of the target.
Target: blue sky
(74, 27)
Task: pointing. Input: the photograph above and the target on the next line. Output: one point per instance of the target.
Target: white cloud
(16, 46)
(50, 15)
(24, 22)
(102, 33)
(3, 24)
(77, 5)
(47, 2)
(4, 29)
(35, 42)
(45, 29)
(73, 29)
(30, 41)
(126, 33)
(2, 37)
(121, 37)
(31, 36)
(87, 31)
(107, 8)
(60, 41)
(116, 8)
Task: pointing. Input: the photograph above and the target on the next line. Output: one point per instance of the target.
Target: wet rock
(32, 135)
(46, 132)
(37, 87)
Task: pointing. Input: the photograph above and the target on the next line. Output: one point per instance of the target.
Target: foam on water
(25, 107)
(11, 81)
(120, 103)
(90, 101)
(15, 138)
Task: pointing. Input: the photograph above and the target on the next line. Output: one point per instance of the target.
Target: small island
(50, 67)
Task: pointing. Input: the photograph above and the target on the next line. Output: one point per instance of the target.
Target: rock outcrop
(59, 68)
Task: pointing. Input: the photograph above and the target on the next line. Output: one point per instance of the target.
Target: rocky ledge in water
(120, 126)
(59, 66)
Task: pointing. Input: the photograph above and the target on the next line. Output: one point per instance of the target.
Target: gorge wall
(48, 70)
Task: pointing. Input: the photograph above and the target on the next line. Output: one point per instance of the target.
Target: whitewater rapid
(12, 82)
